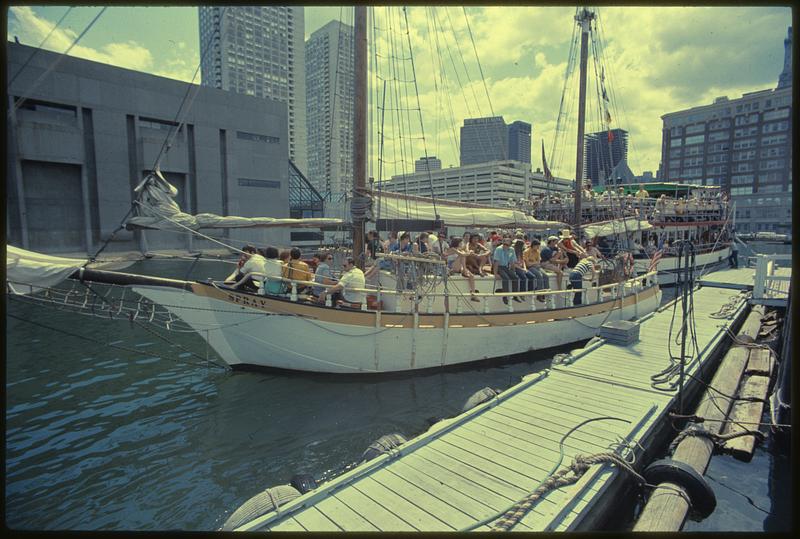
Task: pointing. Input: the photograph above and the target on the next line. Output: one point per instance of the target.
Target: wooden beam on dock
(745, 416)
(667, 508)
(749, 331)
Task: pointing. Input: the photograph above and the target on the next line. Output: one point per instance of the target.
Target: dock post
(667, 508)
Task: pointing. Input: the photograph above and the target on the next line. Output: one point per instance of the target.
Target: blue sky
(662, 59)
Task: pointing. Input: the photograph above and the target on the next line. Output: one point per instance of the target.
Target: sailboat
(406, 324)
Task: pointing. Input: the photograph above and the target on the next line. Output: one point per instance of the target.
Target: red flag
(610, 136)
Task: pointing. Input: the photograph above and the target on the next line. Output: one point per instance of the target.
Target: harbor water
(110, 427)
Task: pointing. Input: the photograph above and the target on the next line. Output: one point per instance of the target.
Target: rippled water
(102, 438)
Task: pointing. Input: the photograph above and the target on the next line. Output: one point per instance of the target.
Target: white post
(293, 296)
(328, 301)
(458, 305)
(485, 304)
(510, 304)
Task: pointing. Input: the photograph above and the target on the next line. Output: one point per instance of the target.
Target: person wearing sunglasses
(323, 274)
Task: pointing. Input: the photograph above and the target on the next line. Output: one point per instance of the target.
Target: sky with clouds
(656, 60)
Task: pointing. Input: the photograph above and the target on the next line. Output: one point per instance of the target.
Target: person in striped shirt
(583, 268)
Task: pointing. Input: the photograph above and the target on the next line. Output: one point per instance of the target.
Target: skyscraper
(484, 140)
(258, 50)
(519, 141)
(603, 152)
(785, 79)
(330, 80)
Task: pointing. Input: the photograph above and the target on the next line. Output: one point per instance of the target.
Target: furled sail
(156, 209)
(617, 226)
(27, 272)
(453, 213)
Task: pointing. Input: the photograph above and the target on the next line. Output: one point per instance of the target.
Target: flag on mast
(547, 175)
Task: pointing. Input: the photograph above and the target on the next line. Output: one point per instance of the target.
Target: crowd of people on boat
(519, 261)
(699, 205)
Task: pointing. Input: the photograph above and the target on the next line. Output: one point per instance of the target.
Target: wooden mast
(360, 126)
(584, 18)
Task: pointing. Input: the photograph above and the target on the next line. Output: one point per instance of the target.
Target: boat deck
(473, 466)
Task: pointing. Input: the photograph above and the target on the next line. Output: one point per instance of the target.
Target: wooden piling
(667, 507)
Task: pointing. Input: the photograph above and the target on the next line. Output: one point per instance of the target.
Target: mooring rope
(717, 439)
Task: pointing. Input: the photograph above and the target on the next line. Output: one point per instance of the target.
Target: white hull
(289, 335)
(668, 266)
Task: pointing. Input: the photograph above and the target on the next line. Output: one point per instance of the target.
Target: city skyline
(671, 59)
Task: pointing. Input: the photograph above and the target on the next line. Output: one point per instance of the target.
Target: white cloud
(128, 54)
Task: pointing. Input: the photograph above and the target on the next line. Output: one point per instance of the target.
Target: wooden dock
(476, 465)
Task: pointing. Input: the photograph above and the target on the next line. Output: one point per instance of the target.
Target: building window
(742, 144)
(773, 188)
(243, 135)
(774, 139)
(697, 128)
(745, 132)
(696, 139)
(774, 127)
(721, 135)
(779, 151)
(772, 164)
(741, 179)
(719, 124)
(744, 156)
(776, 114)
(675, 143)
(742, 190)
(268, 184)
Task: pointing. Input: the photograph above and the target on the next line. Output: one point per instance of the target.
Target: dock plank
(344, 516)
(378, 515)
(312, 519)
(397, 504)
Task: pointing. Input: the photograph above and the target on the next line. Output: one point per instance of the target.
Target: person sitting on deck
(503, 267)
(323, 274)
(298, 270)
(274, 270)
(592, 250)
(390, 241)
(249, 262)
(456, 262)
(642, 192)
(583, 268)
(533, 262)
(352, 277)
(573, 249)
(527, 280)
(480, 255)
(552, 259)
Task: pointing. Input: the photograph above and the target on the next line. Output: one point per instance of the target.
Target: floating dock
(473, 466)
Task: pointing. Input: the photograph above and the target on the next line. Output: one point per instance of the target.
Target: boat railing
(765, 280)
(591, 294)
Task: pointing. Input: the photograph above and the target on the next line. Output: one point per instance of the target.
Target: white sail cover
(28, 272)
(156, 208)
(617, 226)
(387, 205)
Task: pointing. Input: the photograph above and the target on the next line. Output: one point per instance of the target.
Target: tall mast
(360, 126)
(584, 18)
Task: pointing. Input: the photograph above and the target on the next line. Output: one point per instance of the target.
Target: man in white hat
(570, 246)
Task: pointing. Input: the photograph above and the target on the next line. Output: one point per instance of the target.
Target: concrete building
(330, 99)
(604, 151)
(744, 146)
(423, 164)
(519, 141)
(493, 183)
(258, 51)
(81, 140)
